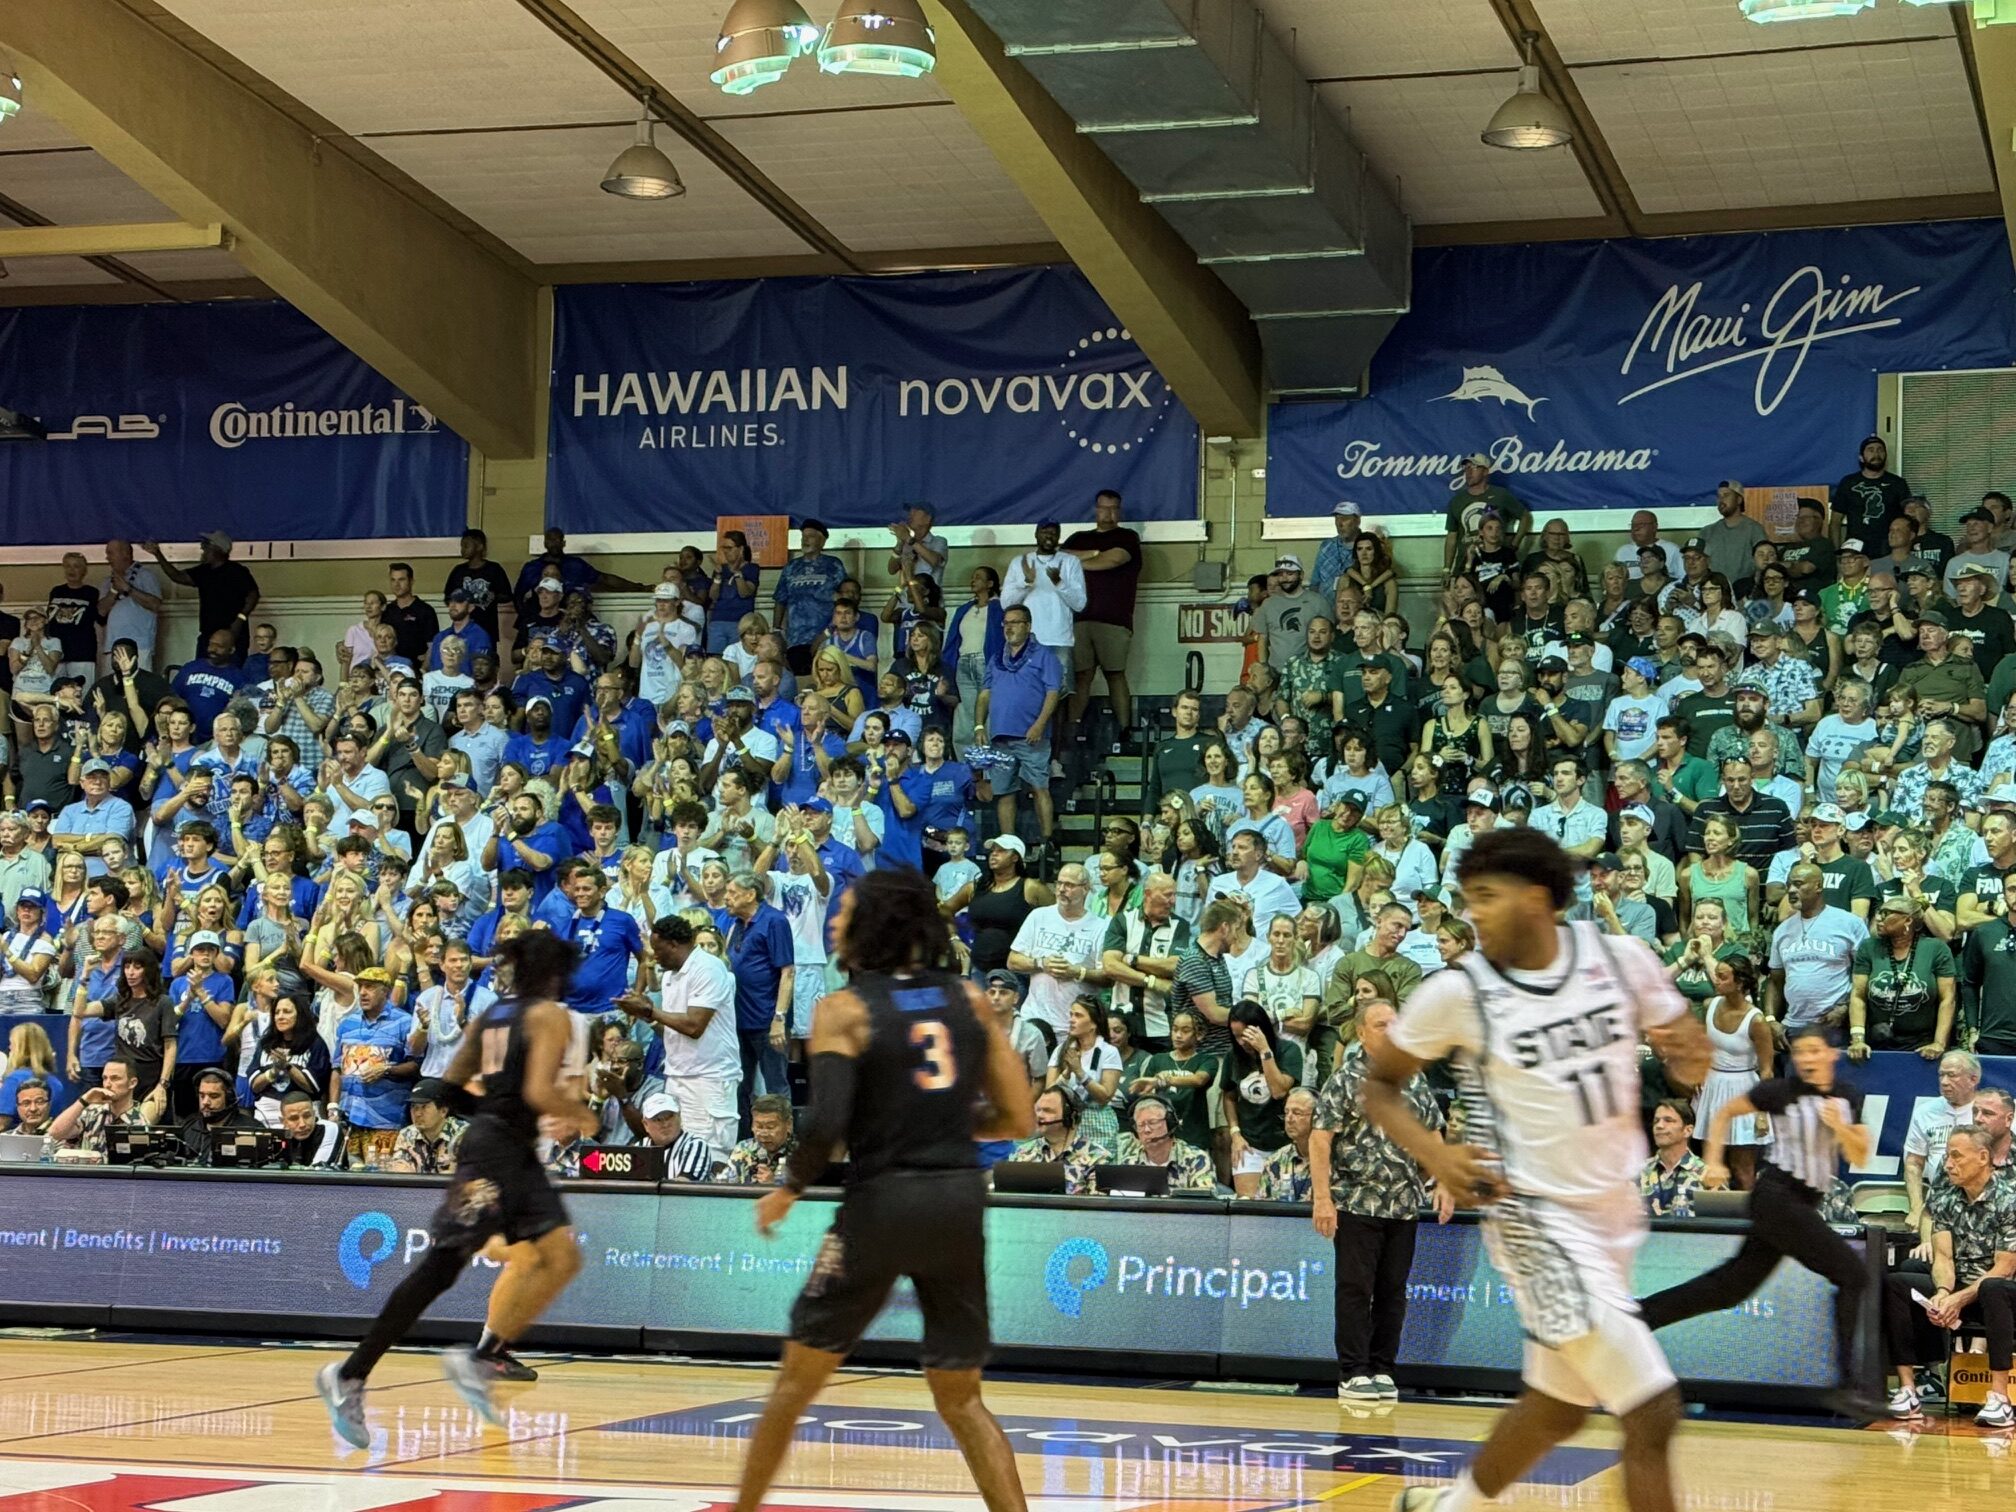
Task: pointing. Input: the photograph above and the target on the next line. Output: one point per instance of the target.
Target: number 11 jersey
(1548, 1061)
(921, 1078)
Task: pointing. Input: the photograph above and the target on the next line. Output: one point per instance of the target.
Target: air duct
(1205, 112)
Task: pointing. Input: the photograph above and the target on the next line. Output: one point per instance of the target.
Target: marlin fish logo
(1480, 383)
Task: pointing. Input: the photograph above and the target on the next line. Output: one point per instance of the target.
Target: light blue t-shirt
(1834, 741)
(1817, 956)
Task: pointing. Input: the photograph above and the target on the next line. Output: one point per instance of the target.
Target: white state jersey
(1549, 1073)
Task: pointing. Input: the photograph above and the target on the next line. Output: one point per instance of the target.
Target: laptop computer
(1721, 1204)
(20, 1149)
(1132, 1180)
(1029, 1177)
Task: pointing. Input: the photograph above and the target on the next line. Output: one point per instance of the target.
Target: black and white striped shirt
(1801, 1145)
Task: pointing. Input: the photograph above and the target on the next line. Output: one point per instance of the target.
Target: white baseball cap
(1288, 563)
(658, 1104)
(1344, 507)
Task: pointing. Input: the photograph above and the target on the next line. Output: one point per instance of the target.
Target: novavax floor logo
(1066, 1282)
(368, 1239)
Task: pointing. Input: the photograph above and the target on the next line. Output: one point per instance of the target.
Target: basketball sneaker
(345, 1401)
(471, 1379)
(1388, 1392)
(1996, 1412)
(1905, 1403)
(505, 1366)
(1359, 1389)
(1420, 1499)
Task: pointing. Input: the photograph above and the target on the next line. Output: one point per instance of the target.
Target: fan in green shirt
(1180, 1076)
(1334, 850)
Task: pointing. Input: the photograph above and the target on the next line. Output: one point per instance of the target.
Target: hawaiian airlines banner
(1009, 396)
(1605, 374)
(167, 421)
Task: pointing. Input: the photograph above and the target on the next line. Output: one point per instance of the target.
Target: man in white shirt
(1269, 895)
(801, 895)
(1931, 1121)
(659, 645)
(1579, 827)
(1058, 949)
(1645, 532)
(1052, 584)
(351, 783)
(464, 811)
(696, 1012)
(129, 603)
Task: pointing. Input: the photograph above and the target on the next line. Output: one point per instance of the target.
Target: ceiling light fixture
(758, 41)
(641, 171)
(879, 37)
(10, 95)
(1529, 120)
(1802, 10)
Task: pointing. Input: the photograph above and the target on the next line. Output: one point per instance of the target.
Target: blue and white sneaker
(471, 1379)
(345, 1401)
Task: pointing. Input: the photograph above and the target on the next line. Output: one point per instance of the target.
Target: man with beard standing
(1866, 500)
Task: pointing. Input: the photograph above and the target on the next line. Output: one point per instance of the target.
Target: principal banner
(1611, 374)
(1198, 1278)
(167, 421)
(1000, 397)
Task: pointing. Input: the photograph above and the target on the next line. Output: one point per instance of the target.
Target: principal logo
(1064, 1280)
(1481, 383)
(368, 1240)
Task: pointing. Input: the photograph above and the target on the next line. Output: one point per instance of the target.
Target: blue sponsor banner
(1894, 1083)
(1623, 373)
(1009, 396)
(167, 421)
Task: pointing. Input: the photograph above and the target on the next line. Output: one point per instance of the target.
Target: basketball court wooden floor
(90, 1426)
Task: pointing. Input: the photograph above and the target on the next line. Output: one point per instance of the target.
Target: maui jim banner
(169, 421)
(1605, 374)
(1009, 396)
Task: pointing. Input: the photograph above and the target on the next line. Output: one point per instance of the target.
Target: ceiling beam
(1991, 61)
(438, 316)
(1712, 222)
(1188, 323)
(105, 241)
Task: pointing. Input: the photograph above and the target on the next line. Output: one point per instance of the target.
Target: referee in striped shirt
(1816, 1118)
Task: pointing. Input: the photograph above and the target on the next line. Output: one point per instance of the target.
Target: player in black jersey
(499, 1192)
(909, 1069)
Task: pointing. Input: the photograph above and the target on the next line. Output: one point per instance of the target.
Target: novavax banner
(1607, 374)
(1006, 396)
(167, 421)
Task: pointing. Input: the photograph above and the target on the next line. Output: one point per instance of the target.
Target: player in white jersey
(1543, 1023)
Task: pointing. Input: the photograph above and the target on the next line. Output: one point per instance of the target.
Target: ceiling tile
(1353, 38)
(411, 65)
(1798, 128)
(1425, 132)
(673, 41)
(886, 180)
(1594, 30)
(77, 189)
(540, 191)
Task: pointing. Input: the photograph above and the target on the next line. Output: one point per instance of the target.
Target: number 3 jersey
(1548, 1062)
(920, 1079)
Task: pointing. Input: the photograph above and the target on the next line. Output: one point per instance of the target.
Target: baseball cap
(551, 584)
(1344, 507)
(34, 805)
(1607, 861)
(1859, 821)
(739, 695)
(1695, 543)
(1483, 798)
(33, 895)
(1289, 563)
(218, 539)
(209, 937)
(658, 1104)
(1476, 459)
(820, 525)
(365, 817)
(1644, 666)
(665, 591)
(459, 780)
(1551, 664)
(582, 748)
(1732, 485)
(896, 733)
(538, 698)
(678, 727)
(1919, 566)
(1009, 842)
(1829, 813)
(429, 1089)
(1002, 976)
(2002, 792)
(1852, 547)
(1353, 796)
(1978, 514)
(1751, 681)
(1974, 569)
(102, 768)
(816, 806)
(1934, 617)
(1890, 819)
(459, 594)
(1578, 638)
(1052, 523)
(1765, 626)
(1439, 894)
(1638, 811)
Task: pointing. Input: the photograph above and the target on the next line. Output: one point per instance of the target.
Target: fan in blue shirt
(609, 940)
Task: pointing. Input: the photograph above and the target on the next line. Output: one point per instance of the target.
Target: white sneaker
(1420, 1499)
(1388, 1392)
(1904, 1403)
(1358, 1389)
(1996, 1412)
(345, 1401)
